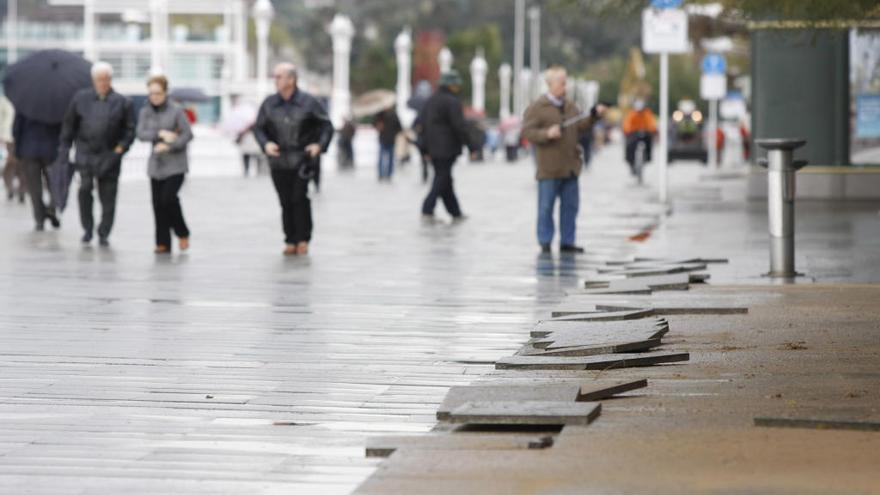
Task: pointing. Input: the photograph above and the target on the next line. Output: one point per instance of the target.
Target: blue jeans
(569, 201)
(386, 161)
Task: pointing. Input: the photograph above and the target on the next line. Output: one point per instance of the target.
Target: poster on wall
(865, 96)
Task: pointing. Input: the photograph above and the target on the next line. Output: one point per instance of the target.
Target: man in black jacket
(444, 133)
(101, 122)
(293, 130)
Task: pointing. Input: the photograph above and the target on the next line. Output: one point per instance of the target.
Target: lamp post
(402, 50)
(535, 45)
(519, 30)
(12, 30)
(504, 88)
(263, 14)
(341, 32)
(158, 36)
(444, 58)
(479, 69)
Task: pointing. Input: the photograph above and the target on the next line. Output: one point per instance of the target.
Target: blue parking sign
(714, 63)
(665, 4)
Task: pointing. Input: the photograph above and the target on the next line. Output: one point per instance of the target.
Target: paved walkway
(232, 369)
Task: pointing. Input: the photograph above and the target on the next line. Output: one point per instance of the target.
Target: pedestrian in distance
(388, 126)
(293, 129)
(100, 122)
(345, 143)
(164, 125)
(36, 147)
(558, 159)
(444, 133)
(12, 169)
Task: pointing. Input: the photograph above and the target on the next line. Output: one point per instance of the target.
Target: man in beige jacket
(558, 157)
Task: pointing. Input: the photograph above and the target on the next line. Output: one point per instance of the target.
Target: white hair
(554, 72)
(102, 68)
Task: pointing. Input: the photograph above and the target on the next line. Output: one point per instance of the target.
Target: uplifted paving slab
(627, 314)
(818, 423)
(385, 445)
(591, 350)
(567, 391)
(667, 303)
(559, 326)
(526, 413)
(601, 362)
(642, 285)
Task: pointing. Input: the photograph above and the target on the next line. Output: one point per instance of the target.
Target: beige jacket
(558, 158)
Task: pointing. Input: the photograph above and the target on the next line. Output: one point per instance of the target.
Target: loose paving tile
(595, 391)
(627, 314)
(818, 423)
(601, 362)
(591, 350)
(526, 413)
(666, 303)
(384, 446)
(457, 396)
(657, 326)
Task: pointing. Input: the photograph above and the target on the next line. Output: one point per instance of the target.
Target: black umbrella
(41, 86)
(194, 95)
(60, 175)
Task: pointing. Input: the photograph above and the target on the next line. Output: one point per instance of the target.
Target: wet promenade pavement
(230, 369)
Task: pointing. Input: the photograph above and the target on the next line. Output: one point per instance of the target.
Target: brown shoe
(302, 248)
(162, 249)
(290, 250)
(184, 243)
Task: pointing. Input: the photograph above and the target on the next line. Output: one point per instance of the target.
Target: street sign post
(713, 87)
(664, 31)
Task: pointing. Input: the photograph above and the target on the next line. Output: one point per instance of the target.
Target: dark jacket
(97, 126)
(35, 140)
(388, 125)
(292, 125)
(557, 158)
(444, 130)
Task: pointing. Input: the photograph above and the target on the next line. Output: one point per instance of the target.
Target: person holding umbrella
(36, 146)
(101, 122)
(293, 129)
(164, 125)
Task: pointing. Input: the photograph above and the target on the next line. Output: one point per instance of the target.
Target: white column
(158, 36)
(445, 58)
(12, 31)
(403, 52)
(523, 83)
(342, 31)
(663, 189)
(239, 27)
(535, 45)
(89, 49)
(263, 14)
(519, 33)
(479, 69)
(504, 86)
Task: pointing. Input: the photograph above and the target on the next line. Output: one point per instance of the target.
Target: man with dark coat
(444, 133)
(293, 130)
(101, 123)
(388, 126)
(36, 146)
(558, 157)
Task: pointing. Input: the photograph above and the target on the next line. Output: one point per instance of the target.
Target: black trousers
(166, 209)
(35, 170)
(107, 189)
(296, 208)
(442, 188)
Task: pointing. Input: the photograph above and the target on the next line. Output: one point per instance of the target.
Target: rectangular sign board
(664, 31)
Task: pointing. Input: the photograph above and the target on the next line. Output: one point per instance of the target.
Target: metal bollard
(780, 202)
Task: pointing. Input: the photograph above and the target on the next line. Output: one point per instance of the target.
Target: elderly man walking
(293, 129)
(558, 157)
(101, 123)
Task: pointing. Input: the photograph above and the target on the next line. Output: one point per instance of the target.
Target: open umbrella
(41, 86)
(373, 102)
(194, 95)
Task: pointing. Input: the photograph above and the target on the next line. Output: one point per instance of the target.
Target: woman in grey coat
(164, 124)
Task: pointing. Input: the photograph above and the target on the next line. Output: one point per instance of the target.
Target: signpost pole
(662, 159)
(713, 134)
